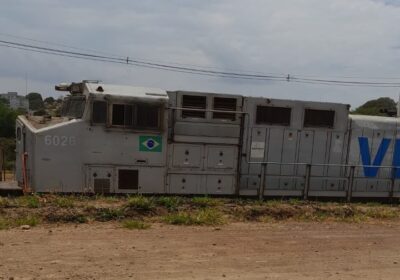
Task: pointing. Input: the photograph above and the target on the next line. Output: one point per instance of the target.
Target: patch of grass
(296, 201)
(266, 219)
(64, 202)
(382, 213)
(317, 216)
(355, 219)
(4, 202)
(107, 198)
(205, 201)
(30, 220)
(170, 202)
(201, 217)
(108, 214)
(135, 224)
(30, 201)
(273, 203)
(141, 203)
(208, 217)
(4, 224)
(370, 204)
(180, 218)
(69, 217)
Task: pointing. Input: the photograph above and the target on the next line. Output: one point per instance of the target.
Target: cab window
(99, 112)
(140, 116)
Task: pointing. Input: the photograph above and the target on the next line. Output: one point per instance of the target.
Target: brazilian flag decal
(150, 144)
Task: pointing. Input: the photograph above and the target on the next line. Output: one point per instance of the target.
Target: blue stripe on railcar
(372, 171)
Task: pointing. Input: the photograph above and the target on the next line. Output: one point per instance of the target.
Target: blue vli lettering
(372, 170)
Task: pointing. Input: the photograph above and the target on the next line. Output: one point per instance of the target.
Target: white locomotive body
(120, 139)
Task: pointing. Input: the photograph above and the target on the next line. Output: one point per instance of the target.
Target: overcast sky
(327, 39)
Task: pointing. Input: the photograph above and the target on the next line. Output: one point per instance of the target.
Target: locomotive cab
(109, 139)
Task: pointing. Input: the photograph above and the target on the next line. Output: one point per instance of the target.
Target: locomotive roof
(126, 91)
(374, 122)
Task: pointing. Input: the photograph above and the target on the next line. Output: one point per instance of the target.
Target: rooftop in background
(16, 101)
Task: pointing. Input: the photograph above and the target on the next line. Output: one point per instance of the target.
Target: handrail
(307, 176)
(321, 164)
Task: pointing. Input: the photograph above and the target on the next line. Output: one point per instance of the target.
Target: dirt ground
(287, 250)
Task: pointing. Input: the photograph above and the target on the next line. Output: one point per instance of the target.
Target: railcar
(123, 139)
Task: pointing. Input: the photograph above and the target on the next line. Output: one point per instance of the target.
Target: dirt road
(237, 251)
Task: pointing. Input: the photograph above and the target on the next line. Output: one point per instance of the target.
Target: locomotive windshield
(73, 107)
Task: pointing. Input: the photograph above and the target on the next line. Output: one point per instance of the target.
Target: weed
(355, 219)
(317, 216)
(382, 213)
(141, 203)
(201, 217)
(108, 214)
(4, 224)
(135, 224)
(180, 218)
(4, 202)
(170, 202)
(29, 220)
(296, 201)
(205, 201)
(273, 203)
(30, 201)
(208, 217)
(64, 202)
(69, 217)
(110, 199)
(267, 219)
(107, 198)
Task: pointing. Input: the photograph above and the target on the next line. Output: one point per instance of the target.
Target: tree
(49, 100)
(35, 101)
(7, 121)
(383, 106)
(4, 101)
(8, 147)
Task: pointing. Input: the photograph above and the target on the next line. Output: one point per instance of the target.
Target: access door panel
(189, 156)
(220, 184)
(221, 157)
(185, 184)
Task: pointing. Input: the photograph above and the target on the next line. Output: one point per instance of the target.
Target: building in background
(16, 101)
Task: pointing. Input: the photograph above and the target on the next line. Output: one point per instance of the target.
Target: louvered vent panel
(101, 185)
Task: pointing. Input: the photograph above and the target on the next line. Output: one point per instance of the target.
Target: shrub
(31, 201)
(4, 202)
(205, 201)
(141, 203)
(108, 214)
(4, 224)
(170, 202)
(29, 220)
(64, 202)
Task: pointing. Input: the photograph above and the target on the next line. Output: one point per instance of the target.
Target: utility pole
(26, 83)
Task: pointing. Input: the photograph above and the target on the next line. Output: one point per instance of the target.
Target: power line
(186, 64)
(189, 70)
(120, 56)
(112, 61)
(135, 61)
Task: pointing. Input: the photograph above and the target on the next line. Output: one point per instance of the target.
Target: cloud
(337, 38)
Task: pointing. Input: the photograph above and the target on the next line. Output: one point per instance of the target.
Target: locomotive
(124, 139)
